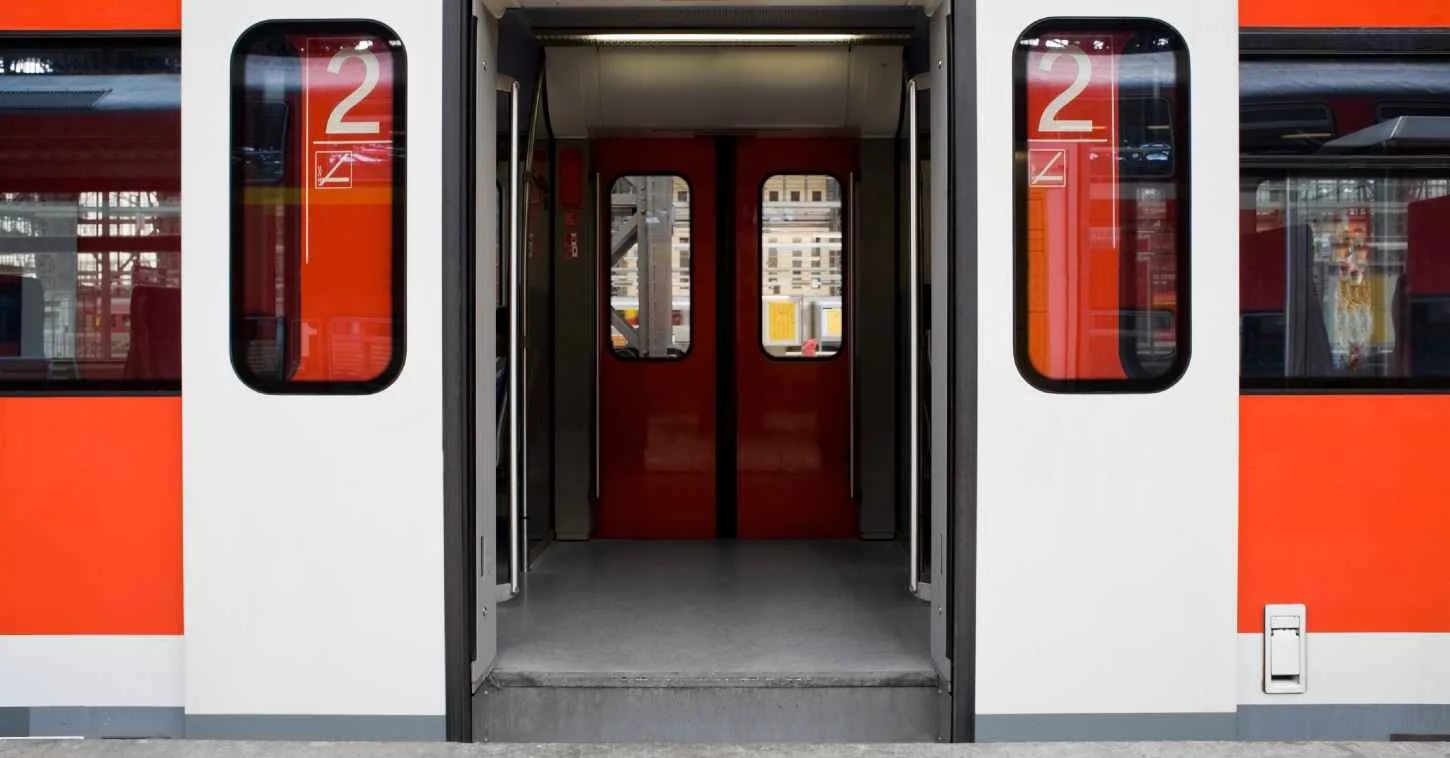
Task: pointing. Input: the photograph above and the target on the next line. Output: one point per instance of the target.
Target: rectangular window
(90, 215)
(649, 296)
(318, 129)
(802, 318)
(1101, 208)
(1344, 258)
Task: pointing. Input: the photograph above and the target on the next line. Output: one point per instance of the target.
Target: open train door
(323, 383)
(1106, 478)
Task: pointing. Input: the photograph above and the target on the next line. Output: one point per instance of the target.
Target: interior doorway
(725, 385)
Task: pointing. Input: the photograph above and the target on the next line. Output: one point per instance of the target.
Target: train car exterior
(1123, 538)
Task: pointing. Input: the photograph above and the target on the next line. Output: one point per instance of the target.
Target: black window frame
(238, 96)
(1180, 177)
(1330, 46)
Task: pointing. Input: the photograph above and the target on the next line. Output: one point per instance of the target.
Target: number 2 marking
(371, 74)
(1049, 121)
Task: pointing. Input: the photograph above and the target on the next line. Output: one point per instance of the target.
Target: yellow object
(781, 323)
(832, 329)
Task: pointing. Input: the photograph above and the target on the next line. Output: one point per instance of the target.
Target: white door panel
(1106, 522)
(313, 523)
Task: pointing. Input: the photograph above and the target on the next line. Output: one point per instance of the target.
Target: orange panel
(1343, 13)
(1342, 507)
(90, 15)
(90, 515)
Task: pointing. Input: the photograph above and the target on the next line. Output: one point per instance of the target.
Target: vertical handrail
(848, 339)
(515, 369)
(601, 228)
(913, 413)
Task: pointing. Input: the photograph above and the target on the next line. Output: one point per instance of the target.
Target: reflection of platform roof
(126, 92)
(1397, 133)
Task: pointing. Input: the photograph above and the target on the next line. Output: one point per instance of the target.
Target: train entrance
(725, 375)
(714, 256)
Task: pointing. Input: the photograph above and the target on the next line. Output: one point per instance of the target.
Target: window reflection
(802, 269)
(1346, 276)
(90, 225)
(649, 267)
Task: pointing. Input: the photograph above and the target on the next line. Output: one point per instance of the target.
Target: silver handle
(599, 229)
(850, 344)
(515, 367)
(913, 348)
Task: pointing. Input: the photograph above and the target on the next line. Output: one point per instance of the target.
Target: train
(567, 371)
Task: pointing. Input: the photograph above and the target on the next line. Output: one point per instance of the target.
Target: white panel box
(1285, 649)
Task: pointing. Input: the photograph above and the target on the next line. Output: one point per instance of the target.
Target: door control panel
(1285, 654)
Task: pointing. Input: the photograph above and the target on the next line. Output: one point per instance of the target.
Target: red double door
(746, 436)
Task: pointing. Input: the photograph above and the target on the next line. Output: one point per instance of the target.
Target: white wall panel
(90, 671)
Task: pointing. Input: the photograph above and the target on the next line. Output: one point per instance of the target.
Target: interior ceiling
(852, 89)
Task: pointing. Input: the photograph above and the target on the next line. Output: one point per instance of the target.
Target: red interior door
(793, 396)
(657, 365)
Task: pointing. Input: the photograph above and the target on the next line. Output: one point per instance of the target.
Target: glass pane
(90, 216)
(649, 270)
(1101, 189)
(1346, 277)
(317, 207)
(802, 266)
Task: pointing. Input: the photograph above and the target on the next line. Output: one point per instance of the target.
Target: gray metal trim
(961, 414)
(114, 722)
(769, 680)
(458, 582)
(375, 727)
(1094, 727)
(1341, 722)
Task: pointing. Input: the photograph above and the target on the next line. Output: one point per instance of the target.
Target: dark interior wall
(575, 311)
(878, 328)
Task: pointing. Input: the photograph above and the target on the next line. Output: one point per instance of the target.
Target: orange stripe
(90, 15)
(90, 515)
(1342, 507)
(1344, 13)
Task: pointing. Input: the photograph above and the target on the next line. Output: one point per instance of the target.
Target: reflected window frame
(762, 198)
(606, 268)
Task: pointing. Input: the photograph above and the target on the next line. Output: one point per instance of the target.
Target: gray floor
(640, 614)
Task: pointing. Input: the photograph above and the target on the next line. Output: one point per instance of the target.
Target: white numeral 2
(335, 123)
(1049, 121)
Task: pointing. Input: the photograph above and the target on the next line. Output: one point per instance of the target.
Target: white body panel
(1107, 524)
(313, 525)
(1412, 669)
(91, 670)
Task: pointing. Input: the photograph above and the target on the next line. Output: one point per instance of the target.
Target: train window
(1101, 212)
(90, 215)
(801, 308)
(317, 207)
(1345, 249)
(649, 267)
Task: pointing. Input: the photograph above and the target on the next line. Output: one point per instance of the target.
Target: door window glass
(649, 267)
(802, 266)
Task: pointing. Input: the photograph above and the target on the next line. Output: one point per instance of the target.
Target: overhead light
(719, 38)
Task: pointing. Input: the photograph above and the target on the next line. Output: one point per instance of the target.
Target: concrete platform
(179, 748)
